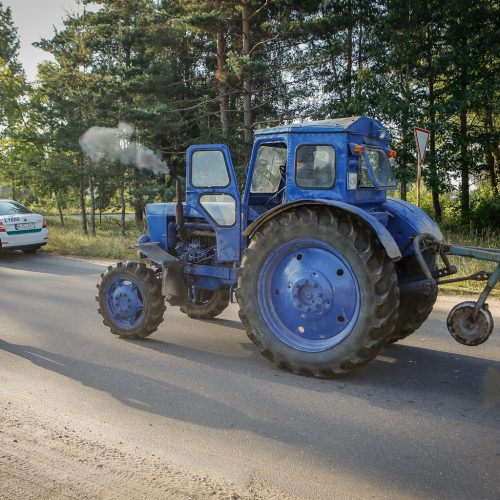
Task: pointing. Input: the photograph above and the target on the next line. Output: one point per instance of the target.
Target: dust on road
(43, 459)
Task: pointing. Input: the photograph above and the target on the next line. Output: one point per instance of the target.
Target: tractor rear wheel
(209, 304)
(130, 300)
(414, 308)
(317, 292)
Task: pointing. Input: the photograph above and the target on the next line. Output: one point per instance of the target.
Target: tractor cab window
(209, 169)
(270, 168)
(315, 166)
(381, 166)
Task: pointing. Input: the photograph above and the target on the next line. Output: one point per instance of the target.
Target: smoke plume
(104, 143)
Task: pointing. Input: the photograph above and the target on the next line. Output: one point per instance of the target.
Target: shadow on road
(433, 375)
(48, 264)
(229, 323)
(403, 376)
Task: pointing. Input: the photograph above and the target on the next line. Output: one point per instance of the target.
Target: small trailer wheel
(466, 331)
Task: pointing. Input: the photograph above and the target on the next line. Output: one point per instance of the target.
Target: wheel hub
(311, 292)
(309, 295)
(125, 301)
(464, 329)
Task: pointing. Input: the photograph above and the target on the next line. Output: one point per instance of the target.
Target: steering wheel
(275, 196)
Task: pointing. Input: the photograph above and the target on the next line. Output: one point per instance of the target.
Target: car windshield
(12, 208)
(381, 166)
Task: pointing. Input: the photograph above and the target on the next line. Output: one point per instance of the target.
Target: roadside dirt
(41, 459)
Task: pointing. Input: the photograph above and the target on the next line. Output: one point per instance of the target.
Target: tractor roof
(355, 124)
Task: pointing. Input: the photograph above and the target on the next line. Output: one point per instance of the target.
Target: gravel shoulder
(43, 459)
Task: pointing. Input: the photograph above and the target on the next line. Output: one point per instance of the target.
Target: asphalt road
(422, 421)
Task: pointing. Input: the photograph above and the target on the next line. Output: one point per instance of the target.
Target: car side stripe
(24, 231)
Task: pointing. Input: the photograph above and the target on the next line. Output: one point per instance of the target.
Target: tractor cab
(346, 159)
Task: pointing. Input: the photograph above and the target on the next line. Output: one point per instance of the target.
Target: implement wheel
(130, 300)
(209, 304)
(317, 293)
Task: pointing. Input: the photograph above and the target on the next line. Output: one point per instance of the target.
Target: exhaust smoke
(115, 144)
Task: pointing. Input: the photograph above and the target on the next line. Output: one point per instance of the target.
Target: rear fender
(377, 227)
(407, 221)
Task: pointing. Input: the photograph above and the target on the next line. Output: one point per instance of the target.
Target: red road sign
(422, 139)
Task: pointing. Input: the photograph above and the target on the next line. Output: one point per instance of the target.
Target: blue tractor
(325, 267)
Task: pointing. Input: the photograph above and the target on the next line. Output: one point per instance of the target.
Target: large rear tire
(130, 300)
(414, 308)
(317, 292)
(209, 305)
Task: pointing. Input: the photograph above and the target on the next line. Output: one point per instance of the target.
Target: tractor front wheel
(317, 292)
(130, 300)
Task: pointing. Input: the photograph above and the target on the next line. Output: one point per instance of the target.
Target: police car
(20, 228)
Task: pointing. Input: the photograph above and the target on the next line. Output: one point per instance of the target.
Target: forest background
(210, 71)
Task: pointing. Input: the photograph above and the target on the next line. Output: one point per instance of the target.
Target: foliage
(209, 71)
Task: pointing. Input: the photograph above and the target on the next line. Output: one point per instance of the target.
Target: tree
(12, 90)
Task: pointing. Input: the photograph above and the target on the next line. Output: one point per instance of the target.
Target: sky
(36, 19)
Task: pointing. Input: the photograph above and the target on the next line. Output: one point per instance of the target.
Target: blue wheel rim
(124, 302)
(308, 295)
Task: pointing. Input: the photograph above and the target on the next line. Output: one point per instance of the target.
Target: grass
(109, 244)
(465, 266)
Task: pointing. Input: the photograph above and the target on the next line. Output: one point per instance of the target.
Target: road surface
(195, 411)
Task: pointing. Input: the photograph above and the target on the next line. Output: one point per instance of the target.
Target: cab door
(213, 192)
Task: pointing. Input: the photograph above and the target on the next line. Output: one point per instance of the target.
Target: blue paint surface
(406, 221)
(124, 302)
(308, 295)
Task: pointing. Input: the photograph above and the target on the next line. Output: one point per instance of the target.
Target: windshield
(12, 208)
(267, 176)
(381, 167)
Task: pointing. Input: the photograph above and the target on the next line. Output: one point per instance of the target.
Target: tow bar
(470, 323)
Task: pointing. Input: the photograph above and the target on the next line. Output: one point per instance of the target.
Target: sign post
(422, 139)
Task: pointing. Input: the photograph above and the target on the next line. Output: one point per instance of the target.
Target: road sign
(422, 139)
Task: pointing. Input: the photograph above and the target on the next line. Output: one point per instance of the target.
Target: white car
(20, 228)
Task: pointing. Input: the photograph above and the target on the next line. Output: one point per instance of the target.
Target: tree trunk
(122, 202)
(489, 150)
(405, 140)
(464, 165)
(59, 208)
(434, 181)
(92, 205)
(464, 161)
(13, 189)
(138, 214)
(404, 163)
(83, 208)
(247, 89)
(349, 54)
(221, 82)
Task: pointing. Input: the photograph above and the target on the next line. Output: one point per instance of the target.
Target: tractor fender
(407, 221)
(379, 229)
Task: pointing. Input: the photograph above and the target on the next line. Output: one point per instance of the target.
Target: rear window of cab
(12, 208)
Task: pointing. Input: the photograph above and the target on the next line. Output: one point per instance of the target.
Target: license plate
(28, 225)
